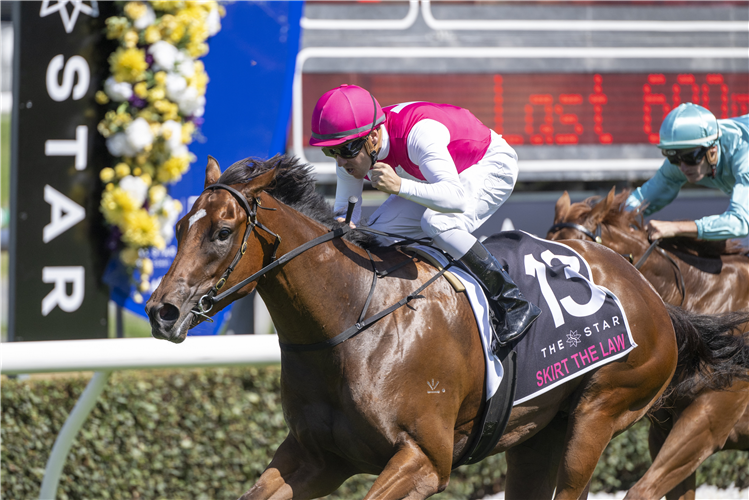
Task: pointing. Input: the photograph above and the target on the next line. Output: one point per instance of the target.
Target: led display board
(553, 108)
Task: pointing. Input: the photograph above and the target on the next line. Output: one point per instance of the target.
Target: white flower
(172, 133)
(168, 211)
(118, 145)
(135, 187)
(190, 103)
(164, 55)
(118, 91)
(214, 22)
(184, 64)
(146, 19)
(139, 134)
(175, 86)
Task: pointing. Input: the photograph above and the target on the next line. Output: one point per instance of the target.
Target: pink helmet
(344, 113)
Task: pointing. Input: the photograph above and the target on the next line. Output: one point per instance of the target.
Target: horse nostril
(168, 313)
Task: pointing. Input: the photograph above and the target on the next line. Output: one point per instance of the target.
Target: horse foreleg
(296, 473)
(532, 465)
(410, 475)
(700, 430)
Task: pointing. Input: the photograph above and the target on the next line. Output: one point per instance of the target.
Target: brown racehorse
(362, 406)
(703, 277)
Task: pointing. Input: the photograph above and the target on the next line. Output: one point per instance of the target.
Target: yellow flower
(141, 89)
(134, 10)
(115, 204)
(172, 169)
(106, 174)
(146, 178)
(156, 94)
(109, 187)
(188, 129)
(167, 5)
(101, 97)
(200, 79)
(128, 65)
(137, 298)
(145, 285)
(156, 194)
(131, 39)
(116, 27)
(129, 256)
(160, 77)
(122, 170)
(146, 266)
(152, 34)
(141, 230)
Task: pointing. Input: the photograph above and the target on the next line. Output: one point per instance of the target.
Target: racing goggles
(347, 150)
(678, 156)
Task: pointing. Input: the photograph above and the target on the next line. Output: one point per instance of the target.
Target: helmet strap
(373, 150)
(712, 159)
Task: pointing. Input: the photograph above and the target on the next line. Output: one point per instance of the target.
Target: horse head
(585, 219)
(217, 236)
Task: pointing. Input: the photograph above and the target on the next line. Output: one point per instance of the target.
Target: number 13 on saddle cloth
(582, 326)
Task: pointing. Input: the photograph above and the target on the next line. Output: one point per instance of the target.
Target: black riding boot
(513, 314)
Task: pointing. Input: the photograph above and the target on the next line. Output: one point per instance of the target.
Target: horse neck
(311, 298)
(657, 269)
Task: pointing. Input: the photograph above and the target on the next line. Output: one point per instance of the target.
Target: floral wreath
(156, 99)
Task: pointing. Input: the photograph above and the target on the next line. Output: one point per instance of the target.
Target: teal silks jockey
(703, 150)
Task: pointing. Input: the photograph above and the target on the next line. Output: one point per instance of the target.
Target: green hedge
(208, 434)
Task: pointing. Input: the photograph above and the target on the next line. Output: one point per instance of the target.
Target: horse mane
(617, 216)
(294, 185)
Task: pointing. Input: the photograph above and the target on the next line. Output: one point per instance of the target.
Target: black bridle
(653, 246)
(562, 225)
(213, 296)
(206, 302)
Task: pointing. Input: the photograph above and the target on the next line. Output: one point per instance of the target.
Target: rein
(206, 302)
(640, 262)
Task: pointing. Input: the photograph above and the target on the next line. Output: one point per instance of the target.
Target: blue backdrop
(248, 107)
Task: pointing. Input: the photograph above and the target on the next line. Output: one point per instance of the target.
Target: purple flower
(137, 102)
(149, 59)
(197, 120)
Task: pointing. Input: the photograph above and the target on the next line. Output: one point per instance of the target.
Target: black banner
(56, 245)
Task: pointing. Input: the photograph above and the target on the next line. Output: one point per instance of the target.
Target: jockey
(446, 174)
(703, 150)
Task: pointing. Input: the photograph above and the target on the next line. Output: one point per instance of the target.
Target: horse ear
(259, 183)
(603, 206)
(562, 207)
(212, 172)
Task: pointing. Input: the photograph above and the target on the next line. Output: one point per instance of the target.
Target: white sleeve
(427, 147)
(346, 187)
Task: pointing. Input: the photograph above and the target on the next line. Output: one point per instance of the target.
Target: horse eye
(224, 234)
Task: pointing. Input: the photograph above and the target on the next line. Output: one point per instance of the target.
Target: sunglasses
(347, 150)
(677, 157)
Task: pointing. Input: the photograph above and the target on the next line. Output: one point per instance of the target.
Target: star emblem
(573, 338)
(69, 19)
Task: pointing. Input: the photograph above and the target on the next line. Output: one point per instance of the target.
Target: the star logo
(573, 338)
(69, 19)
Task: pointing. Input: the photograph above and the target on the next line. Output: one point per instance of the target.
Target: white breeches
(488, 184)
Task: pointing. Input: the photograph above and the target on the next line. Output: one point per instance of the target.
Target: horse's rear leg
(532, 465)
(699, 431)
(295, 473)
(410, 475)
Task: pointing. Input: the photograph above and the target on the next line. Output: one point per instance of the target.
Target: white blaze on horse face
(196, 217)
